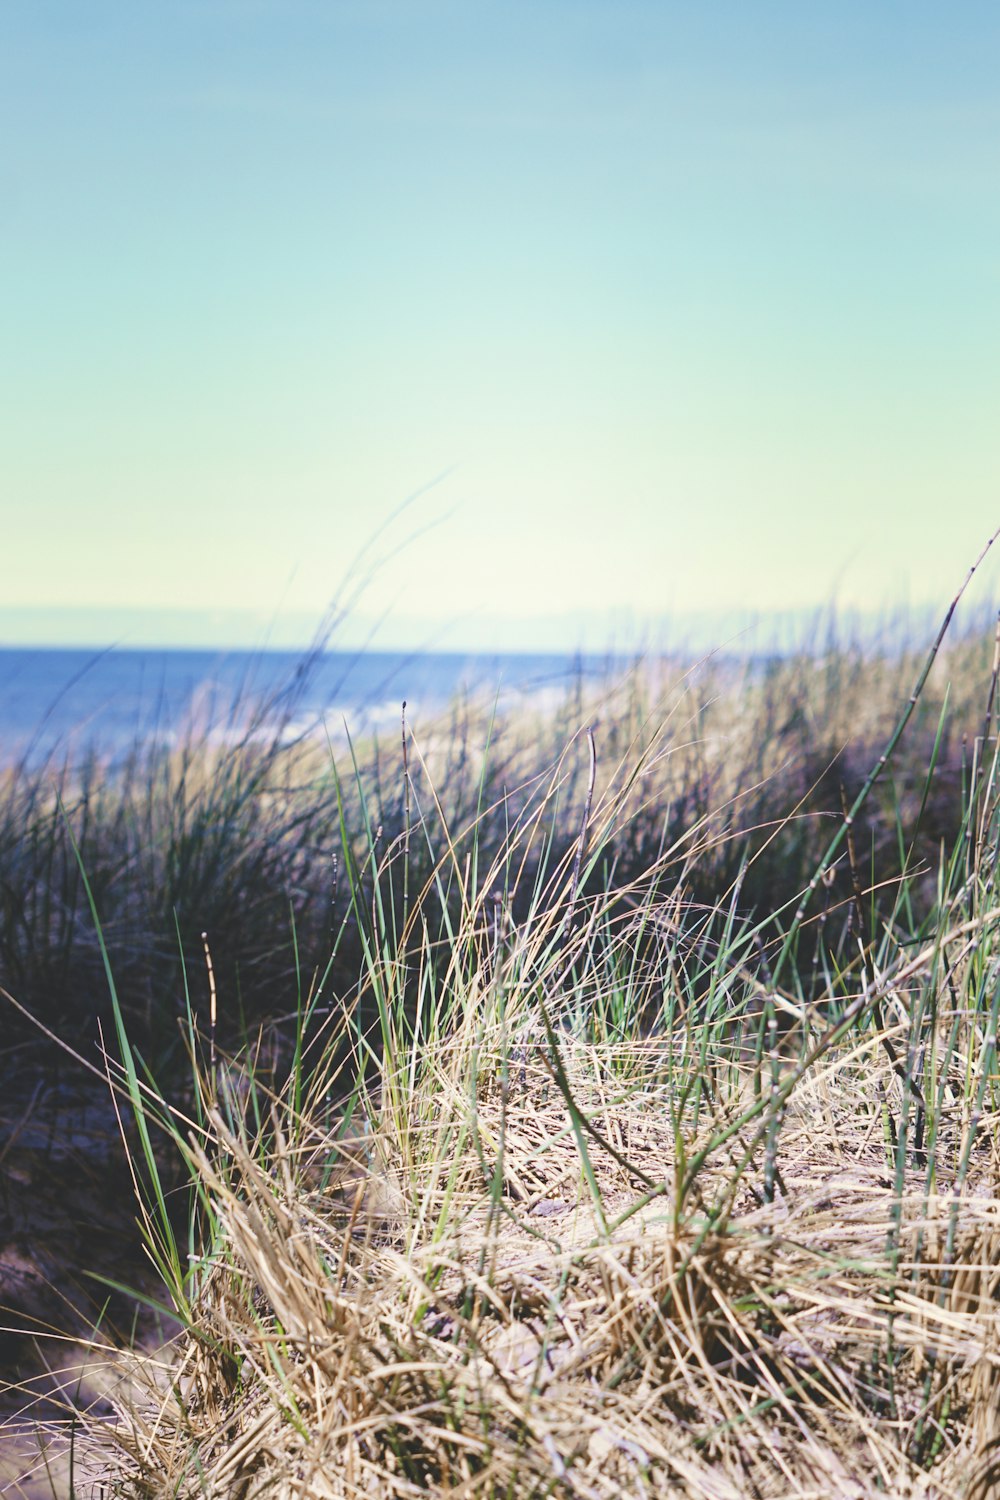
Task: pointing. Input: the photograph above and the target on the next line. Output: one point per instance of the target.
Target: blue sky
(686, 308)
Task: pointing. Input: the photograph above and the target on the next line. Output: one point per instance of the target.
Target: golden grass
(578, 1174)
(407, 1326)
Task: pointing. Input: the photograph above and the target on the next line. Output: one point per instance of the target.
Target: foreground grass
(576, 1168)
(526, 1245)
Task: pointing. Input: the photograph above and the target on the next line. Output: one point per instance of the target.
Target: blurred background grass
(743, 772)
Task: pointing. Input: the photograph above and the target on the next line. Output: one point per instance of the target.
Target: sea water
(67, 701)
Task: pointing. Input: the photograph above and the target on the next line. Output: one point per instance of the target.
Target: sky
(509, 325)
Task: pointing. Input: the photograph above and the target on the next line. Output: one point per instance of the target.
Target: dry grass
(408, 1327)
(523, 1245)
(577, 1174)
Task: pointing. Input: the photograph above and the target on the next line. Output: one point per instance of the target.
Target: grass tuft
(630, 1129)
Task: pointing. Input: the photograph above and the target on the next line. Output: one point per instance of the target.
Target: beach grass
(595, 1103)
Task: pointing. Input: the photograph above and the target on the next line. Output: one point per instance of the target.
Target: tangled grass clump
(565, 1178)
(587, 1211)
(518, 1286)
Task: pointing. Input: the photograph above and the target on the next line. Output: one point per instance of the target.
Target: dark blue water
(59, 701)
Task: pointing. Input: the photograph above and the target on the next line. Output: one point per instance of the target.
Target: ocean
(69, 701)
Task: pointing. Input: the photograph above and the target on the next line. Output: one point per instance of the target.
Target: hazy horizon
(735, 631)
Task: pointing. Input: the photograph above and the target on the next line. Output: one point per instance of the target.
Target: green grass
(739, 773)
(619, 1118)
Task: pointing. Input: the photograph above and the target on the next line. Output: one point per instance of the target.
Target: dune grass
(744, 773)
(592, 1106)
